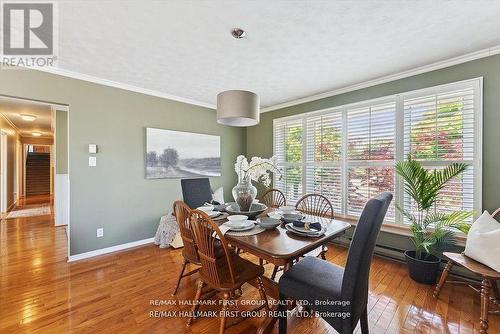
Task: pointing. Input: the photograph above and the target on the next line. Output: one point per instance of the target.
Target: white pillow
(218, 195)
(483, 241)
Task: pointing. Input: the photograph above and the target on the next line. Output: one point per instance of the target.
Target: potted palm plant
(432, 230)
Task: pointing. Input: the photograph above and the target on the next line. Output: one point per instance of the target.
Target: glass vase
(244, 193)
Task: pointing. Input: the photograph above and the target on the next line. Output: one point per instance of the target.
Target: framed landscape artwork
(178, 154)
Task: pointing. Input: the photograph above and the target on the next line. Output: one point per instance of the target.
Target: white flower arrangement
(258, 170)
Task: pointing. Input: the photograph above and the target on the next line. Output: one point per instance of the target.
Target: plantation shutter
(288, 138)
(439, 130)
(324, 156)
(371, 132)
(348, 153)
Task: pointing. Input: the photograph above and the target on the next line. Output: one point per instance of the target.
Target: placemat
(256, 230)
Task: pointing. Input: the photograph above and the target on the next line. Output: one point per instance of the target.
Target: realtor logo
(28, 34)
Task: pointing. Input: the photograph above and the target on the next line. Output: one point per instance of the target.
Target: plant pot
(422, 271)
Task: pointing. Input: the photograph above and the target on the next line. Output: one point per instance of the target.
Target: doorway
(36, 156)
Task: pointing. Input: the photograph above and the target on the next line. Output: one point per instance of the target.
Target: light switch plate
(92, 161)
(92, 148)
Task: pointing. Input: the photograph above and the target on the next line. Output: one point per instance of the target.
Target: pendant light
(238, 108)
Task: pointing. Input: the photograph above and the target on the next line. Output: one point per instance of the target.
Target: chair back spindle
(182, 215)
(215, 270)
(273, 198)
(315, 204)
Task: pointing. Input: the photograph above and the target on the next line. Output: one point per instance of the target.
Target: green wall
(115, 195)
(260, 137)
(61, 142)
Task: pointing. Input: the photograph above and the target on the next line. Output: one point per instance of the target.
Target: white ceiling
(42, 123)
(293, 49)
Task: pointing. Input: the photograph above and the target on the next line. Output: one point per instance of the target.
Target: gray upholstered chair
(196, 192)
(313, 280)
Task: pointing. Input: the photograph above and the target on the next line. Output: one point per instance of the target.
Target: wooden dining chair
(488, 289)
(316, 205)
(319, 206)
(189, 252)
(273, 198)
(332, 290)
(224, 273)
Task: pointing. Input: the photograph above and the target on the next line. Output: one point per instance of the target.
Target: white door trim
(3, 171)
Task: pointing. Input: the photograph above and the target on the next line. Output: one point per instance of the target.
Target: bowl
(268, 223)
(206, 208)
(255, 210)
(287, 208)
(275, 215)
(237, 218)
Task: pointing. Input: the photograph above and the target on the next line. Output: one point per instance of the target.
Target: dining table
(281, 248)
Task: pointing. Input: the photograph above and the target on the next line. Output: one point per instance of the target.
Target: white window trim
(476, 83)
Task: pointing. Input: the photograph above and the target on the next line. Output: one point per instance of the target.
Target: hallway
(32, 206)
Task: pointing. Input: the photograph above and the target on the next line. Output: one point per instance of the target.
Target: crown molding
(392, 77)
(11, 123)
(114, 84)
(405, 74)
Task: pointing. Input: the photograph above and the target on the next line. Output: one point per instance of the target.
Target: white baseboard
(111, 249)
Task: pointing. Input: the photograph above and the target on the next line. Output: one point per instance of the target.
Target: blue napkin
(299, 223)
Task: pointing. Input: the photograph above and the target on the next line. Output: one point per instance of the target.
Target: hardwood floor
(41, 293)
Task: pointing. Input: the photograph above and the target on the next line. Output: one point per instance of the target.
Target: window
(348, 153)
(288, 150)
(439, 130)
(324, 156)
(370, 154)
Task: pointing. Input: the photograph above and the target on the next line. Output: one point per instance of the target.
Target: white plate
(290, 228)
(213, 214)
(250, 224)
(302, 229)
(239, 225)
(206, 208)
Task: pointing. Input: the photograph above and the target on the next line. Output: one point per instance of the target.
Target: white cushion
(218, 195)
(483, 241)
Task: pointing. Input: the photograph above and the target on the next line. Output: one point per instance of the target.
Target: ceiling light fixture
(238, 108)
(28, 118)
(238, 33)
(36, 134)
